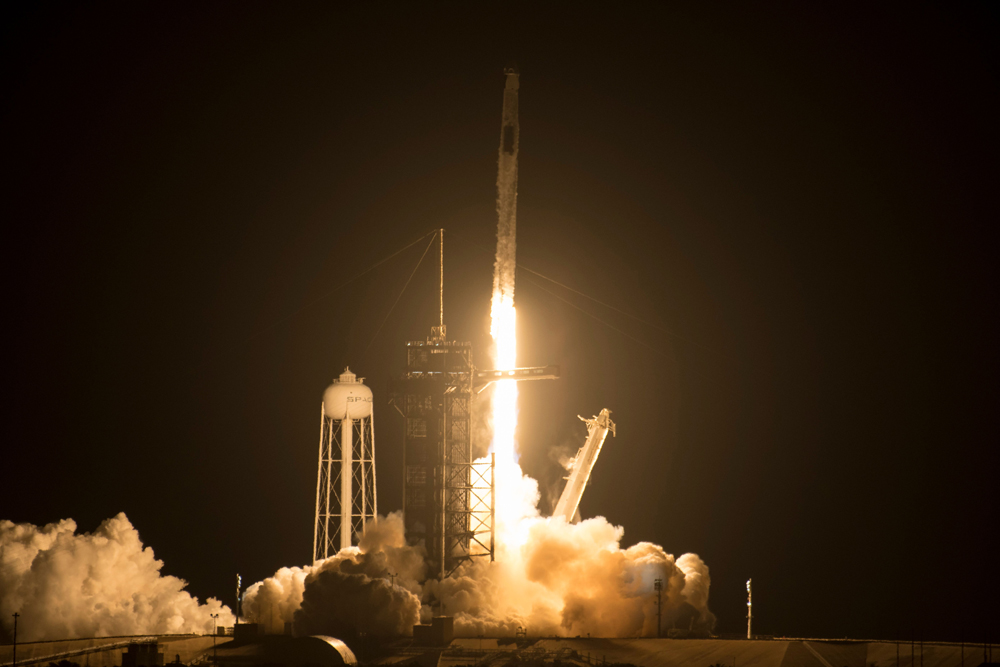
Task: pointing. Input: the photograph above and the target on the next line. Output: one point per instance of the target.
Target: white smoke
(554, 578)
(551, 577)
(104, 583)
(562, 579)
(275, 600)
(372, 588)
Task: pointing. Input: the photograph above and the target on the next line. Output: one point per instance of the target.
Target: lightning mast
(447, 501)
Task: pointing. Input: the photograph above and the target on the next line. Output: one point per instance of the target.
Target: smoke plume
(372, 588)
(105, 583)
(559, 579)
(553, 578)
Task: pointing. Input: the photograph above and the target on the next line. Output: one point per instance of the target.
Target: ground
(106, 652)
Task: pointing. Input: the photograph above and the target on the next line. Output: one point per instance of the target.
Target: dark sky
(804, 197)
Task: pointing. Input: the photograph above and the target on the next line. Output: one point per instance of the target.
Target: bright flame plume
(503, 328)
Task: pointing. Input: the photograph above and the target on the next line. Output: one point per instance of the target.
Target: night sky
(794, 205)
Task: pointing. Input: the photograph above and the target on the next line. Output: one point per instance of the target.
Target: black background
(802, 196)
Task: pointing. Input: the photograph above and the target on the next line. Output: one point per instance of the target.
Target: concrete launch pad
(769, 653)
(575, 651)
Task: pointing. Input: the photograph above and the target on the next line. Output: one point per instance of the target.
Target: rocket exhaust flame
(504, 332)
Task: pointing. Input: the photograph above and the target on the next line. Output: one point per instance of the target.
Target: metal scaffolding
(447, 497)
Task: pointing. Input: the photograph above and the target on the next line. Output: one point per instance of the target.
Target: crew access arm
(583, 464)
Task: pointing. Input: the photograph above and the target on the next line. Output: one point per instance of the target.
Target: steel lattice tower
(447, 498)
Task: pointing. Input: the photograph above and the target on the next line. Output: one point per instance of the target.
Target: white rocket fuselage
(506, 260)
(583, 465)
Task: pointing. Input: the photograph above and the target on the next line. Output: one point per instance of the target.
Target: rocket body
(506, 261)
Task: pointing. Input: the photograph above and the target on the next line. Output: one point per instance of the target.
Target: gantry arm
(482, 379)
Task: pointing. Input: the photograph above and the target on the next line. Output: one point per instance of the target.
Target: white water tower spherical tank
(347, 397)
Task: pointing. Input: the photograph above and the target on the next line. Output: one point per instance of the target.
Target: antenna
(438, 333)
(441, 322)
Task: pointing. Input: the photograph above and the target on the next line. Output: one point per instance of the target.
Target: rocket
(506, 261)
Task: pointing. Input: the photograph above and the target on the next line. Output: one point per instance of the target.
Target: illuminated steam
(569, 580)
(348, 593)
(561, 580)
(96, 584)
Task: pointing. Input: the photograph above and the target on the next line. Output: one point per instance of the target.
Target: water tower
(345, 482)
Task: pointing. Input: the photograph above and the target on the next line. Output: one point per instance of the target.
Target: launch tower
(346, 498)
(447, 498)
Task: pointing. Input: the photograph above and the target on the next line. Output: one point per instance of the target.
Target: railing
(111, 646)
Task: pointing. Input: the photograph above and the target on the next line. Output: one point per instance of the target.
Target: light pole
(658, 585)
(749, 608)
(215, 635)
(16, 616)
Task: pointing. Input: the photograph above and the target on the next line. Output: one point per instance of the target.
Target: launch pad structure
(583, 465)
(447, 498)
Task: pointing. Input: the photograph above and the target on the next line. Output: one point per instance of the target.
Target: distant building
(145, 654)
(439, 633)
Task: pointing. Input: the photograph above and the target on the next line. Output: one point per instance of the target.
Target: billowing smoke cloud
(275, 600)
(568, 580)
(372, 588)
(343, 601)
(104, 583)
(551, 577)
